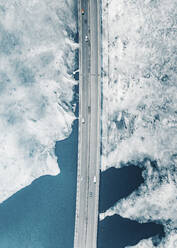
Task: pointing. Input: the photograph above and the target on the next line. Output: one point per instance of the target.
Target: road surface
(89, 126)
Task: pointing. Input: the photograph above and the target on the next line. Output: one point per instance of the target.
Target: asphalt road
(89, 126)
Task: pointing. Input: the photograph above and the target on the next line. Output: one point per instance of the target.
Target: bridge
(86, 220)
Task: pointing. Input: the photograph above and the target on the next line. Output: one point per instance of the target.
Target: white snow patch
(36, 88)
(140, 105)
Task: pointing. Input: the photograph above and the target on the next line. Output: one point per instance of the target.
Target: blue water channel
(116, 231)
(42, 215)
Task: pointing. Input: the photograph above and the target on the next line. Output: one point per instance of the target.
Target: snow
(36, 88)
(139, 105)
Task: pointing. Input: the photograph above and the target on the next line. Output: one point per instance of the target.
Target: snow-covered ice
(36, 88)
(140, 106)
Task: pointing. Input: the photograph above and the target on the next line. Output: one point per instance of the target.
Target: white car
(83, 120)
(94, 179)
(86, 38)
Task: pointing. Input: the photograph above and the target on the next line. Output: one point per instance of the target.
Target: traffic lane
(84, 127)
(93, 211)
(84, 18)
(94, 88)
(93, 172)
(84, 186)
(94, 41)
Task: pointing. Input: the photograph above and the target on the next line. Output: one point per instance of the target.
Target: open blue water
(42, 215)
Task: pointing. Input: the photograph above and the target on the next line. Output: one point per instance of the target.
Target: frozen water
(170, 241)
(37, 52)
(140, 106)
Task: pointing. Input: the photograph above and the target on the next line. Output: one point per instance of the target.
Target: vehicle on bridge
(86, 38)
(94, 179)
(82, 11)
(83, 120)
